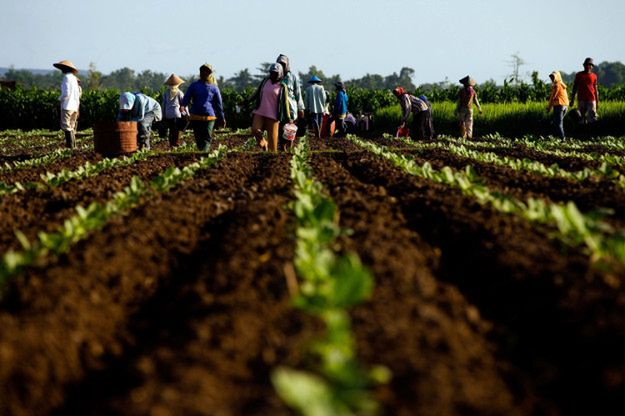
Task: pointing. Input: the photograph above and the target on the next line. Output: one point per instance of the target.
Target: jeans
(316, 119)
(145, 130)
(203, 133)
(557, 119)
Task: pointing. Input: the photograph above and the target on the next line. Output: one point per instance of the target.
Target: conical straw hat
(65, 64)
(174, 80)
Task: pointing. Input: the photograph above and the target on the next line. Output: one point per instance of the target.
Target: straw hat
(64, 65)
(174, 80)
(314, 79)
(467, 81)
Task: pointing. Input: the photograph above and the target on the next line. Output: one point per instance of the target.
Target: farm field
(364, 275)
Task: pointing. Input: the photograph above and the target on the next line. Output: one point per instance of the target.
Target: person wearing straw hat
(173, 118)
(136, 106)
(206, 108)
(315, 102)
(585, 87)
(70, 101)
(464, 108)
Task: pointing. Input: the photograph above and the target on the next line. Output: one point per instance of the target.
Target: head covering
(206, 66)
(339, 85)
(399, 91)
(277, 68)
(66, 65)
(468, 81)
(174, 80)
(589, 61)
(314, 79)
(283, 59)
(555, 75)
(126, 101)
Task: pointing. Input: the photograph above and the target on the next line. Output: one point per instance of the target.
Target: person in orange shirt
(559, 101)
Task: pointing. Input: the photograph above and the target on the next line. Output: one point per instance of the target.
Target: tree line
(610, 74)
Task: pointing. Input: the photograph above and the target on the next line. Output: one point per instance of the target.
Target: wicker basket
(115, 138)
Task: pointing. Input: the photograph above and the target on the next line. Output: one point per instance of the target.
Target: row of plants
(551, 142)
(330, 284)
(87, 170)
(604, 245)
(46, 159)
(510, 119)
(611, 160)
(605, 172)
(96, 215)
(37, 109)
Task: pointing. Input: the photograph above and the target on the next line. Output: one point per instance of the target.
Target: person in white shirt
(70, 101)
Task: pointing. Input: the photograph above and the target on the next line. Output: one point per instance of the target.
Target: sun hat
(126, 101)
(174, 80)
(467, 81)
(206, 66)
(340, 85)
(65, 64)
(313, 79)
(589, 61)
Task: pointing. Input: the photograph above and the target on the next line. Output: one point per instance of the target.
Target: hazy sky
(438, 38)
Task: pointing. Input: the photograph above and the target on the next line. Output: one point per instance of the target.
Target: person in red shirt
(585, 86)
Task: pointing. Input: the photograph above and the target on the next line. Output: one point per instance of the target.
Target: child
(173, 119)
(559, 101)
(464, 109)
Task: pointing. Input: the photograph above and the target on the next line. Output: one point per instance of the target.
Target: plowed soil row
(520, 151)
(588, 195)
(33, 173)
(424, 330)
(558, 320)
(184, 318)
(34, 211)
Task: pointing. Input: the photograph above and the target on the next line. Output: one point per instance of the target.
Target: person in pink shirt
(265, 115)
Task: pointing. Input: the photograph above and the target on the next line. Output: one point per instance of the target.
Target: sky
(439, 39)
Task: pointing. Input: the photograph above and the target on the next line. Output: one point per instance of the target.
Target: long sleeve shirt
(205, 99)
(466, 97)
(411, 104)
(295, 92)
(70, 93)
(143, 105)
(171, 104)
(315, 99)
(340, 104)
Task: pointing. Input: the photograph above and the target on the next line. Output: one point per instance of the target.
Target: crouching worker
(421, 114)
(136, 106)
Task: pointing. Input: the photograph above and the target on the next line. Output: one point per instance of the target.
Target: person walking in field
(585, 87)
(339, 112)
(69, 101)
(173, 119)
(464, 108)
(206, 110)
(136, 106)
(295, 107)
(270, 94)
(558, 101)
(315, 102)
(421, 114)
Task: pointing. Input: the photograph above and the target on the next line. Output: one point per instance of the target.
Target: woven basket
(115, 138)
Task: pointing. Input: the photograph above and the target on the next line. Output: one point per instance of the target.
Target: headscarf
(126, 101)
(283, 59)
(276, 68)
(211, 77)
(399, 91)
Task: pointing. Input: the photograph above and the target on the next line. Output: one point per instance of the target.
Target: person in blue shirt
(206, 108)
(136, 106)
(340, 109)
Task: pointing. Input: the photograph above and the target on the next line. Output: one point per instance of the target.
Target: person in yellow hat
(69, 101)
(174, 119)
